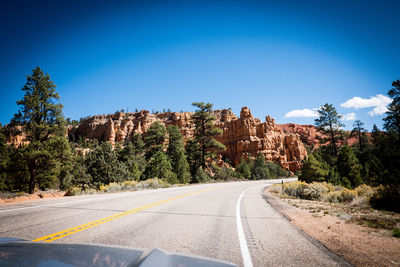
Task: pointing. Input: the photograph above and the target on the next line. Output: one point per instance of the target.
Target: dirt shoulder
(357, 244)
(30, 197)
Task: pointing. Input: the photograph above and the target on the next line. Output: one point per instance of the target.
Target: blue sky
(279, 58)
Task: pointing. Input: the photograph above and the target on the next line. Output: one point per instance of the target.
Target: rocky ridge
(245, 136)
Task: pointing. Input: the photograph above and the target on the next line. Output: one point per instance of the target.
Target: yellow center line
(76, 229)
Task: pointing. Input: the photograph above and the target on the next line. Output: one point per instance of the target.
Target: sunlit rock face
(245, 136)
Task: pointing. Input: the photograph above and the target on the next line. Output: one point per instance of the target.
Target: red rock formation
(247, 136)
(244, 137)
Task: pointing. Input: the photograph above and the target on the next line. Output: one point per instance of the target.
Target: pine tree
(193, 153)
(392, 119)
(348, 166)
(4, 162)
(138, 144)
(259, 169)
(243, 168)
(329, 122)
(155, 139)
(201, 176)
(42, 120)
(313, 170)
(159, 166)
(358, 131)
(104, 167)
(176, 153)
(205, 132)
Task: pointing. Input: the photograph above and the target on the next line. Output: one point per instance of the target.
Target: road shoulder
(351, 242)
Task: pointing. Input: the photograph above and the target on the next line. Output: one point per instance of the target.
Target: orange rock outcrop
(245, 136)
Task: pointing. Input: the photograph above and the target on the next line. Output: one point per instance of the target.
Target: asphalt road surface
(227, 221)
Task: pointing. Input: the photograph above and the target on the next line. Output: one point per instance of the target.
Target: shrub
(348, 195)
(364, 190)
(334, 197)
(276, 188)
(129, 185)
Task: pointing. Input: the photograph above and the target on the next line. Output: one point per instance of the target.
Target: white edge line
(242, 239)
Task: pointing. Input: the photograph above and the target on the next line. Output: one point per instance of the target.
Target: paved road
(200, 219)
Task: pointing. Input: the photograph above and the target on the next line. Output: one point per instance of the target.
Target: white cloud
(302, 113)
(349, 116)
(378, 102)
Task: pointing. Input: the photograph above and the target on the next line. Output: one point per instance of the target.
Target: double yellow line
(76, 229)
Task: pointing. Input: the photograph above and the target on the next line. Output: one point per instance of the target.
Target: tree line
(51, 159)
(373, 160)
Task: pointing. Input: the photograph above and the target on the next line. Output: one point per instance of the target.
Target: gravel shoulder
(357, 244)
(30, 197)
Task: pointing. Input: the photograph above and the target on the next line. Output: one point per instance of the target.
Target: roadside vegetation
(373, 161)
(353, 206)
(358, 183)
(50, 159)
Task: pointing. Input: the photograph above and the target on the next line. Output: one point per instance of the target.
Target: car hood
(16, 252)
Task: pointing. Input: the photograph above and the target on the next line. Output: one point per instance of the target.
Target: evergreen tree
(201, 176)
(243, 168)
(159, 166)
(313, 170)
(193, 153)
(138, 144)
(104, 167)
(259, 169)
(80, 174)
(359, 132)
(135, 162)
(42, 120)
(348, 166)
(329, 122)
(392, 119)
(176, 153)
(5, 183)
(155, 139)
(205, 132)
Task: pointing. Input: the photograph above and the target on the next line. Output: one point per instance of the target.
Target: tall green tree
(138, 144)
(329, 122)
(205, 132)
(348, 166)
(135, 162)
(42, 120)
(193, 154)
(259, 169)
(155, 139)
(176, 153)
(392, 119)
(104, 167)
(159, 166)
(359, 132)
(5, 183)
(243, 168)
(314, 170)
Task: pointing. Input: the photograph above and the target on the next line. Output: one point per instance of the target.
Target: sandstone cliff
(243, 137)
